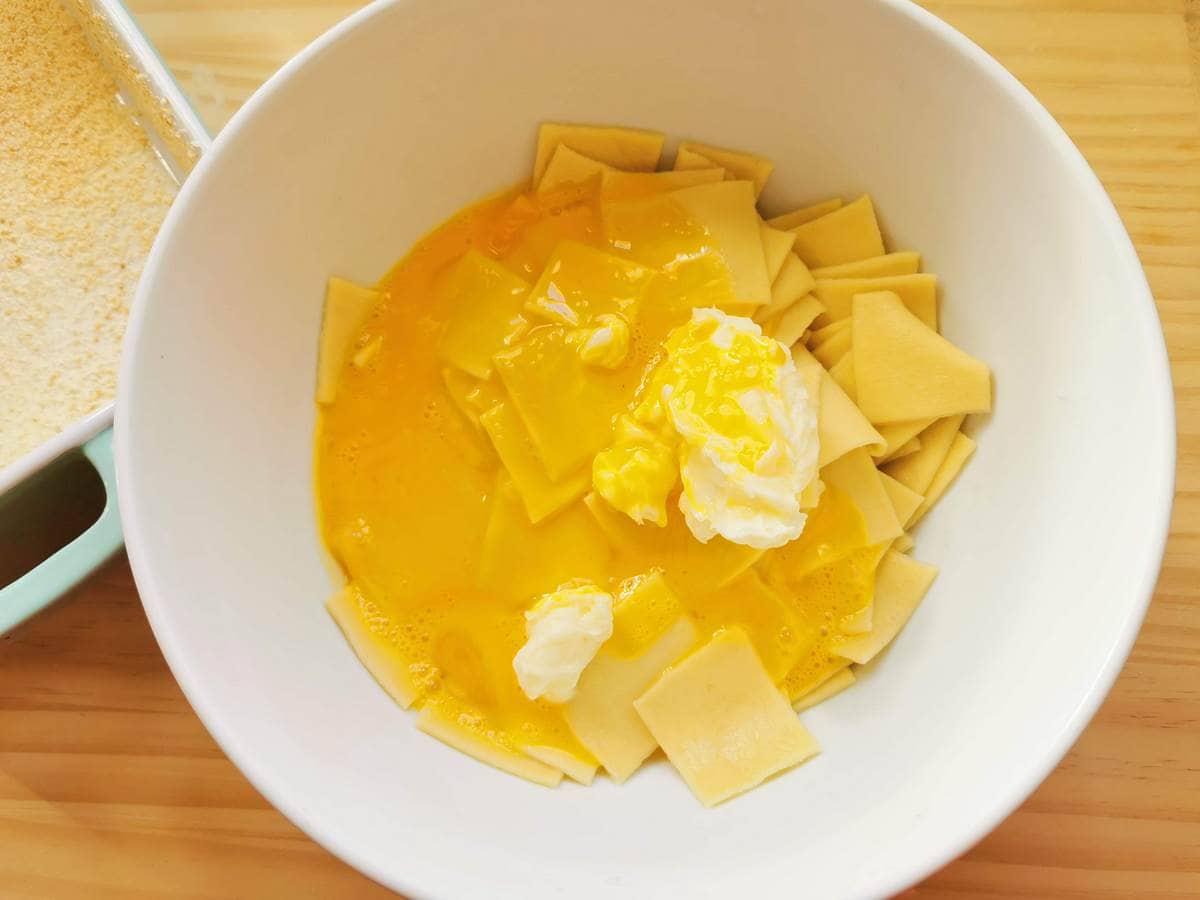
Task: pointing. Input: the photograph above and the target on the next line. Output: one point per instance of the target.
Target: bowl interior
(1048, 544)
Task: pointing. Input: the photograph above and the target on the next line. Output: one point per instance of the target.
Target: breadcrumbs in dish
(82, 195)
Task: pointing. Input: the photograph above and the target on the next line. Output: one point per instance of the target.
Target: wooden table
(110, 786)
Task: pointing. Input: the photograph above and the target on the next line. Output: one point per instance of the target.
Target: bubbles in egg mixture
(824, 599)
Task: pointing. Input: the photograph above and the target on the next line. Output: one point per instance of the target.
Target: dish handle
(50, 579)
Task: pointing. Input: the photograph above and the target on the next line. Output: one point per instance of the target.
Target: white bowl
(1049, 544)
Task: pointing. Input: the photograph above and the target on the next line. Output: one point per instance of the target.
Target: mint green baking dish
(160, 107)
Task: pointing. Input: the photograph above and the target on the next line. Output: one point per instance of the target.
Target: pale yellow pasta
(347, 308)
(568, 166)
(899, 435)
(826, 332)
(722, 722)
(909, 447)
(616, 186)
(900, 584)
(843, 373)
(917, 292)
(828, 352)
(841, 426)
(956, 457)
(486, 751)
(830, 687)
(916, 471)
(854, 474)
(905, 370)
(777, 247)
(631, 149)
(727, 210)
(845, 235)
(541, 496)
(742, 166)
(805, 213)
(689, 159)
(574, 767)
(905, 500)
(471, 396)
(366, 632)
(601, 713)
(486, 304)
(861, 621)
(792, 283)
(790, 325)
(904, 262)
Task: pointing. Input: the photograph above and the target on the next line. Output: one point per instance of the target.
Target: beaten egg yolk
(733, 402)
(433, 527)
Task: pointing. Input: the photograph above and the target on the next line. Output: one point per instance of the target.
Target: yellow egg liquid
(415, 507)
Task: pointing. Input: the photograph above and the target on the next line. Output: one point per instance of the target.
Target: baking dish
(177, 135)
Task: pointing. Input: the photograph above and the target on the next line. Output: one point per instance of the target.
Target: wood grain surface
(110, 786)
